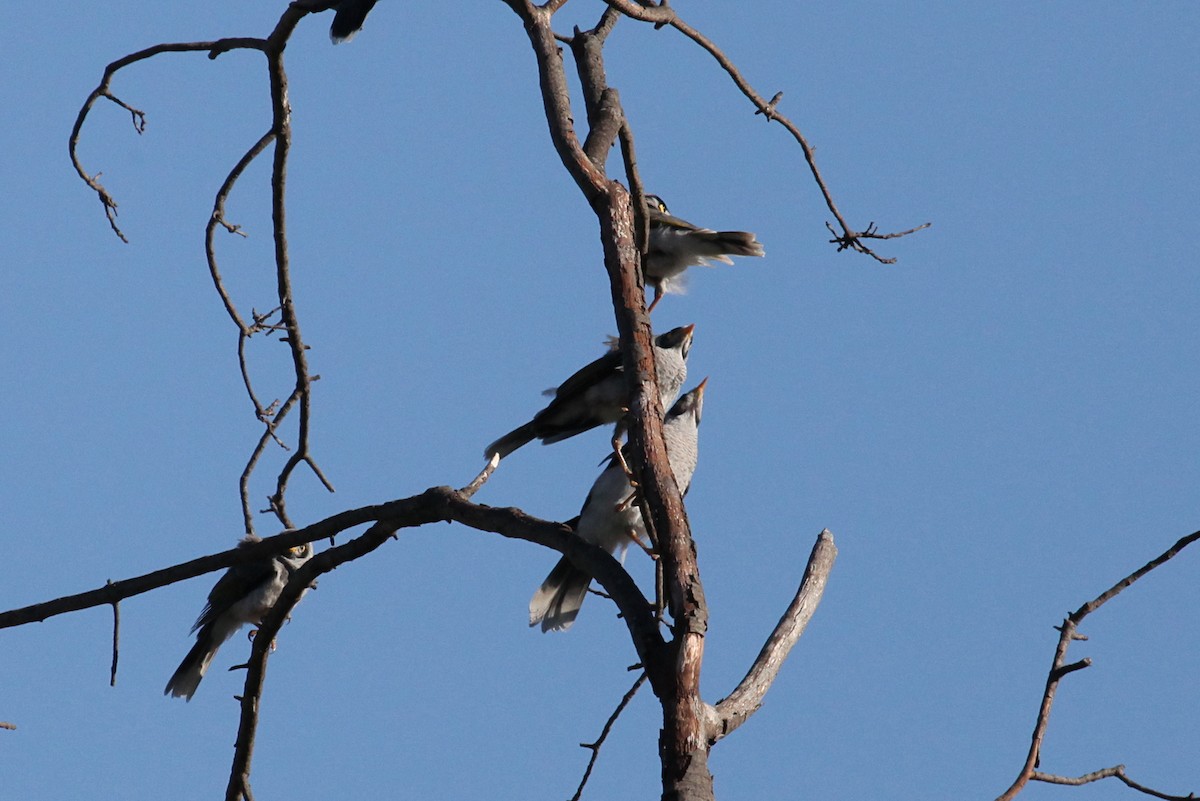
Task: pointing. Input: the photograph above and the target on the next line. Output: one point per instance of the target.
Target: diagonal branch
(662, 15)
(608, 725)
(1059, 668)
(747, 697)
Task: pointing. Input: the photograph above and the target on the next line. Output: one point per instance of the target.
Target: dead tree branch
(116, 642)
(1118, 771)
(278, 135)
(608, 725)
(662, 15)
(747, 697)
(104, 90)
(1059, 668)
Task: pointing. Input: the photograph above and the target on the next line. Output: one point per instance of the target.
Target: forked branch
(278, 135)
(1059, 668)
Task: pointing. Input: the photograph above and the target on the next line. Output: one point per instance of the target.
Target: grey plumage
(677, 244)
(244, 594)
(597, 394)
(608, 516)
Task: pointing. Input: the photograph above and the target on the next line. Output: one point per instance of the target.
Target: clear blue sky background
(996, 428)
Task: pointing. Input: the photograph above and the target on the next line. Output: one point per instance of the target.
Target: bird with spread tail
(243, 595)
(597, 395)
(609, 517)
(677, 244)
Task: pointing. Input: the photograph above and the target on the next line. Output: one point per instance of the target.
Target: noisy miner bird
(611, 519)
(349, 19)
(676, 244)
(597, 394)
(243, 595)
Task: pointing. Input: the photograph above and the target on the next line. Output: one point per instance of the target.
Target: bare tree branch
(116, 641)
(437, 504)
(682, 743)
(747, 697)
(1059, 668)
(279, 135)
(608, 725)
(849, 239)
(1118, 771)
(139, 117)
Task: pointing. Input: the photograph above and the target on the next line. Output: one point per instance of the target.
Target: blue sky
(996, 428)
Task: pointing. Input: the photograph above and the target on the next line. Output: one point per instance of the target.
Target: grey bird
(597, 395)
(612, 520)
(676, 244)
(243, 595)
(348, 19)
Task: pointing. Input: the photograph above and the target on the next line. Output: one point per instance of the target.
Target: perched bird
(349, 19)
(597, 394)
(243, 595)
(676, 244)
(611, 520)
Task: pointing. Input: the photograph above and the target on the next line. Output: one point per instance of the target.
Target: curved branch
(437, 504)
(218, 218)
(849, 239)
(747, 697)
(213, 48)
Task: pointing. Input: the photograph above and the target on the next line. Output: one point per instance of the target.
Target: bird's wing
(238, 582)
(588, 376)
(671, 221)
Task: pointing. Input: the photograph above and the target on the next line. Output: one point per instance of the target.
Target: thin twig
(608, 725)
(139, 118)
(218, 218)
(271, 424)
(116, 640)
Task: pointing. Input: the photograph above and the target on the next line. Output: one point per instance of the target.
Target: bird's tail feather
(191, 670)
(511, 441)
(739, 243)
(556, 603)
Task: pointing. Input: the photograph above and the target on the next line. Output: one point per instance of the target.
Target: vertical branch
(116, 640)
(683, 749)
(281, 128)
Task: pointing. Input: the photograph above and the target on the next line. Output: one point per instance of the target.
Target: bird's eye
(298, 550)
(662, 207)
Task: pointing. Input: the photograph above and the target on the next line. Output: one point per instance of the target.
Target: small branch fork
(661, 15)
(282, 319)
(1059, 668)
